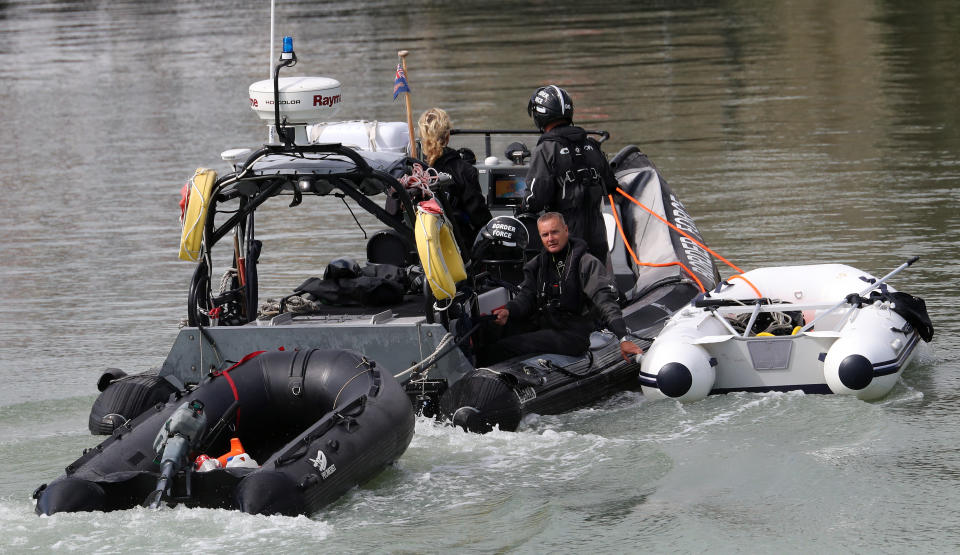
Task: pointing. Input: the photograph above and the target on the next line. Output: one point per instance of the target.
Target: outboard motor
(499, 248)
(180, 433)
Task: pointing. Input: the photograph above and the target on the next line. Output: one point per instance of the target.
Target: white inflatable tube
(865, 360)
(677, 370)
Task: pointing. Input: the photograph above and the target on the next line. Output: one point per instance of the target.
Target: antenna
(273, 5)
(287, 58)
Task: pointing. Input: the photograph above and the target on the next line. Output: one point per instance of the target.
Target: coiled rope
(422, 179)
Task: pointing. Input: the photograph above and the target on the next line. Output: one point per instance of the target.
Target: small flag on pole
(400, 82)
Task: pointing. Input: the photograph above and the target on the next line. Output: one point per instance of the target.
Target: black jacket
(569, 291)
(465, 197)
(551, 188)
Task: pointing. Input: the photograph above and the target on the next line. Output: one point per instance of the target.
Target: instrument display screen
(508, 189)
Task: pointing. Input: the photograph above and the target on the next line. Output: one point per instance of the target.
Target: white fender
(849, 367)
(677, 370)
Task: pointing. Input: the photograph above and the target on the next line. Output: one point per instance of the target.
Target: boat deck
(412, 307)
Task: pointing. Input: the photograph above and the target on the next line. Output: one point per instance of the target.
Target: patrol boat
(418, 304)
(362, 345)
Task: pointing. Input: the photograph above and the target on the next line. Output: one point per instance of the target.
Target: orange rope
(678, 230)
(755, 290)
(681, 232)
(623, 235)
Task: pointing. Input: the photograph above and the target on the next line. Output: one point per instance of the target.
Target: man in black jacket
(564, 290)
(568, 172)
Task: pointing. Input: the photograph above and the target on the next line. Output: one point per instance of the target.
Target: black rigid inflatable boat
(311, 406)
(665, 271)
(322, 422)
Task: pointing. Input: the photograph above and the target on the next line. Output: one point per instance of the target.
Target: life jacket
(580, 184)
(562, 297)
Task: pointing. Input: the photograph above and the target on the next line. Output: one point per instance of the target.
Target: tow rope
(633, 255)
(446, 345)
(446, 340)
(681, 232)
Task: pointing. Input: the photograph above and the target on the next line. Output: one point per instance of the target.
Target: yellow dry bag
(437, 247)
(194, 216)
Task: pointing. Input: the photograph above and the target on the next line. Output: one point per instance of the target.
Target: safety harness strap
(233, 385)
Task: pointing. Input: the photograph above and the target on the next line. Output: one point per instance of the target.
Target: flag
(400, 82)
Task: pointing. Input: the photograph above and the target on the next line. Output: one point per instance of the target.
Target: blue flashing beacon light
(287, 53)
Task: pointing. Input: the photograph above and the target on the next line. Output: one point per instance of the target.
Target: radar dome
(302, 99)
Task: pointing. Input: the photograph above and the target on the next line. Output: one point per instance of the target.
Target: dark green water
(795, 132)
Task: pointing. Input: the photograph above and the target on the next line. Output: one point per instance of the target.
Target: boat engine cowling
(678, 371)
(481, 401)
(124, 397)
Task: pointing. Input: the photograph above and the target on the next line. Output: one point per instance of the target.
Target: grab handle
(872, 286)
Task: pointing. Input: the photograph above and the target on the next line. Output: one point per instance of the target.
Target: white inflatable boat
(825, 328)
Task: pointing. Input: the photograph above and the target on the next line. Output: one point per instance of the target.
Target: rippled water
(795, 132)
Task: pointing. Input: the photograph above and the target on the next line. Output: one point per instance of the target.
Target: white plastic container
(208, 465)
(373, 136)
(242, 460)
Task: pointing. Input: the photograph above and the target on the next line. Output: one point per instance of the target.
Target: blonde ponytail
(434, 126)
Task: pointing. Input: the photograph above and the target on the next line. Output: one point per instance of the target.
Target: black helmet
(549, 104)
(517, 153)
(503, 239)
(467, 155)
(342, 268)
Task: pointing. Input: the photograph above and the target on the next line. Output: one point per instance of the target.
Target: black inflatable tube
(484, 399)
(320, 421)
(125, 396)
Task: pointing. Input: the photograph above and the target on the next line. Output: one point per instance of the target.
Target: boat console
(505, 185)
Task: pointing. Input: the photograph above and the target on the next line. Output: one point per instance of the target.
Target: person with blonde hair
(465, 197)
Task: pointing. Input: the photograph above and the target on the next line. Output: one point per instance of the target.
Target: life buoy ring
(193, 215)
(438, 251)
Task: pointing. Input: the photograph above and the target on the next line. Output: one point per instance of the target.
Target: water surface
(795, 132)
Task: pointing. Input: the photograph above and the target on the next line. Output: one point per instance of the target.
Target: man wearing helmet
(564, 290)
(568, 171)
